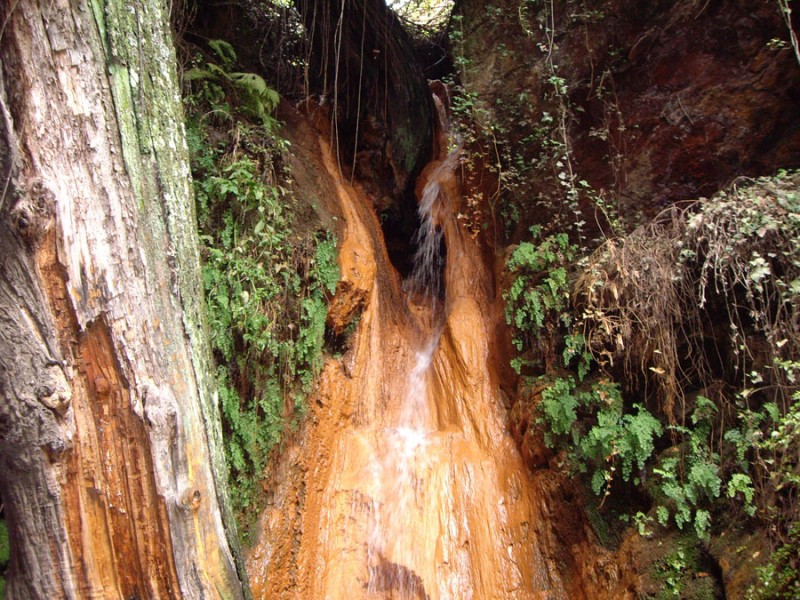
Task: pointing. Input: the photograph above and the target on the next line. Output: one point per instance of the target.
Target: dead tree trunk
(110, 464)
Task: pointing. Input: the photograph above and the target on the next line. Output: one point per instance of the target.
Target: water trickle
(426, 277)
(415, 413)
(411, 487)
(391, 550)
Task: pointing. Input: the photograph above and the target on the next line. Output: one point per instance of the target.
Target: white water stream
(391, 536)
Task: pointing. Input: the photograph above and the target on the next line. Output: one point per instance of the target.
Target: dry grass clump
(705, 285)
(632, 306)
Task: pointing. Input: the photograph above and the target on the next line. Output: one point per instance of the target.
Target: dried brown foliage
(713, 282)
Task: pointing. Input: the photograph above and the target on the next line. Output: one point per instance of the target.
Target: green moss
(406, 146)
(5, 555)
(123, 105)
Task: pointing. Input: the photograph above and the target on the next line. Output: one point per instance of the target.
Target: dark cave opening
(399, 223)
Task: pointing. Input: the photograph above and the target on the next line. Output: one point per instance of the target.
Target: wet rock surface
(404, 482)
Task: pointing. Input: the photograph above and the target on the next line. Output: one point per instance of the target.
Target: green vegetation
(614, 442)
(696, 317)
(777, 457)
(606, 440)
(522, 140)
(5, 555)
(538, 296)
(680, 573)
(249, 92)
(780, 577)
(267, 272)
(688, 480)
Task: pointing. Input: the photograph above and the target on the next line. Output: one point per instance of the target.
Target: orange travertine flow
(406, 482)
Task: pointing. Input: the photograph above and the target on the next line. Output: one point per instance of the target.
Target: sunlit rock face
(406, 483)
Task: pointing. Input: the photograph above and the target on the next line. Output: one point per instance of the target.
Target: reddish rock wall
(670, 100)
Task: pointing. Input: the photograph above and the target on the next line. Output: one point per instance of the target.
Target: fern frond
(224, 51)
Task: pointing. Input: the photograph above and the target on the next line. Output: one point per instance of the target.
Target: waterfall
(420, 508)
(411, 487)
(390, 547)
(426, 277)
(391, 552)
(428, 259)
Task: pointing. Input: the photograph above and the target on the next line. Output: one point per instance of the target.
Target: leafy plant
(267, 275)
(776, 461)
(558, 409)
(608, 441)
(538, 296)
(613, 444)
(575, 349)
(672, 571)
(779, 579)
(619, 440)
(741, 483)
(683, 496)
(253, 96)
(642, 522)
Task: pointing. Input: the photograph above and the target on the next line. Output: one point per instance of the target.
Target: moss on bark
(144, 83)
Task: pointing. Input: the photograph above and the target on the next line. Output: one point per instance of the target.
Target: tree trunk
(110, 457)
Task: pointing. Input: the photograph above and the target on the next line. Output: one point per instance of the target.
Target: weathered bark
(110, 464)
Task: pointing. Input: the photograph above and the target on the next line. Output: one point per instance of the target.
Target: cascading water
(391, 538)
(426, 277)
(411, 488)
(390, 545)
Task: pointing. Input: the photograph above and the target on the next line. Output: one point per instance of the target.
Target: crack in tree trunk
(110, 452)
